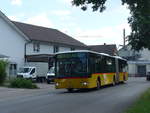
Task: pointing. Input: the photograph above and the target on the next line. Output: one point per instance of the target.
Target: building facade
(138, 61)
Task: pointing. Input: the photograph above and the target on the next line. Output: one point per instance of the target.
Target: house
(138, 61)
(46, 41)
(108, 49)
(29, 43)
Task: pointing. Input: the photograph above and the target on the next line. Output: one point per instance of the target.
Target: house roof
(39, 33)
(108, 49)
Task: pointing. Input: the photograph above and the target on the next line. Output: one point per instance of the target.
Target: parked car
(50, 75)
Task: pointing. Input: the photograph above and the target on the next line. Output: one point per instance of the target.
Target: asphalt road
(111, 99)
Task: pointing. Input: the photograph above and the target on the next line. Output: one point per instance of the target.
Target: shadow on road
(90, 90)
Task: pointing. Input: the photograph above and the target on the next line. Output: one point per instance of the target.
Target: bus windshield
(71, 65)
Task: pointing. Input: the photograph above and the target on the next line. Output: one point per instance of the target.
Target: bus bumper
(72, 83)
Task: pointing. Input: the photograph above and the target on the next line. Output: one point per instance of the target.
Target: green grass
(142, 105)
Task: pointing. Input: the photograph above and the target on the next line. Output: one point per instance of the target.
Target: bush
(22, 83)
(3, 65)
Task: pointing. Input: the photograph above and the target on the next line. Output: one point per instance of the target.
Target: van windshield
(24, 70)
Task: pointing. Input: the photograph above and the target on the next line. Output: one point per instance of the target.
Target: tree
(3, 65)
(139, 20)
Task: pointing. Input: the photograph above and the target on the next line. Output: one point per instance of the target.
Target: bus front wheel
(98, 84)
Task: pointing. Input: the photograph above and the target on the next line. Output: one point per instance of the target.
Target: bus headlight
(85, 83)
(57, 84)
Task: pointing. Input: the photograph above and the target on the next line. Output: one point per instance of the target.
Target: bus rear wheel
(114, 81)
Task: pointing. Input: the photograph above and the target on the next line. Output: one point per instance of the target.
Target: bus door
(117, 70)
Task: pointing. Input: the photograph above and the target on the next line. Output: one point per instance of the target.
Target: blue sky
(89, 27)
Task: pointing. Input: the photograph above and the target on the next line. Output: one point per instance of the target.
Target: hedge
(3, 74)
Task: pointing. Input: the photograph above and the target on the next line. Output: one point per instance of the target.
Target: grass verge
(142, 105)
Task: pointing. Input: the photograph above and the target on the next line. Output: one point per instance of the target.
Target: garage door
(142, 70)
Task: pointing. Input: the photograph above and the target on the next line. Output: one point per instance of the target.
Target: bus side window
(122, 66)
(92, 65)
(110, 65)
(98, 66)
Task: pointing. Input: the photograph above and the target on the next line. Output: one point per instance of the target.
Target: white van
(50, 75)
(27, 73)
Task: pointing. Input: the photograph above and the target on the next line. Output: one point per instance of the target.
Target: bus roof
(76, 51)
(88, 51)
(118, 57)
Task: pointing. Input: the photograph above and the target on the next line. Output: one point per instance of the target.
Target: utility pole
(124, 37)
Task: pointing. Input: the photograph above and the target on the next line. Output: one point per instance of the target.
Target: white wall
(61, 49)
(132, 69)
(44, 49)
(11, 43)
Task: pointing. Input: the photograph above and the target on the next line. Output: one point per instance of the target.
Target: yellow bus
(88, 69)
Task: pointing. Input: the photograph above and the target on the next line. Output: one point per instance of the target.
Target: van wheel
(70, 89)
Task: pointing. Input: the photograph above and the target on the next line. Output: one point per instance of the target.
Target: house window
(36, 47)
(56, 49)
(72, 49)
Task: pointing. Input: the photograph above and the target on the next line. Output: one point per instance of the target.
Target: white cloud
(66, 1)
(41, 20)
(108, 35)
(16, 17)
(16, 2)
(61, 12)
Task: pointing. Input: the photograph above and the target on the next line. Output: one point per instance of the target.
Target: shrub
(3, 65)
(22, 83)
